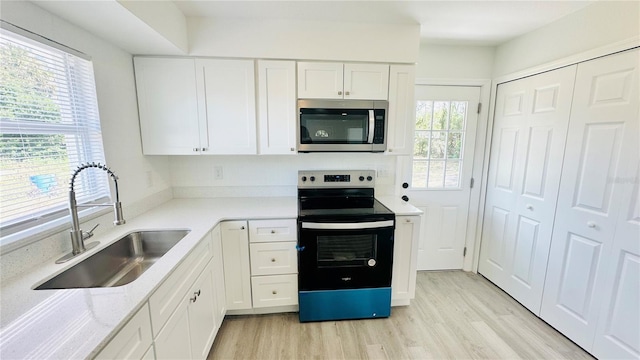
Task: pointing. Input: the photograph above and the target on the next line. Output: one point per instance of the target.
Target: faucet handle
(89, 233)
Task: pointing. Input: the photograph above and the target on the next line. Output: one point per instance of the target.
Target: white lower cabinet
(237, 273)
(173, 341)
(405, 252)
(133, 341)
(260, 265)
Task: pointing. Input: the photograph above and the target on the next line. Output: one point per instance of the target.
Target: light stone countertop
(78, 323)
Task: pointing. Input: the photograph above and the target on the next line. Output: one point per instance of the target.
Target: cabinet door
(227, 97)
(530, 128)
(277, 106)
(132, 341)
(218, 277)
(601, 146)
(167, 102)
(174, 341)
(237, 275)
(405, 259)
(202, 321)
(402, 111)
(366, 81)
(320, 80)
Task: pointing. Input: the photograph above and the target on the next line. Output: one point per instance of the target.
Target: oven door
(353, 255)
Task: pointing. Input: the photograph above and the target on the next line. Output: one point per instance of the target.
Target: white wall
(117, 105)
(269, 175)
(455, 62)
(291, 39)
(601, 24)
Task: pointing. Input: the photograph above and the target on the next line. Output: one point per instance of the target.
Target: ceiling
(455, 22)
(469, 22)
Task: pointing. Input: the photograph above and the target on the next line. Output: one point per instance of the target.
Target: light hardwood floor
(456, 315)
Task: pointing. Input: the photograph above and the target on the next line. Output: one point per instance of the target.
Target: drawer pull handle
(273, 259)
(591, 224)
(529, 207)
(273, 231)
(195, 296)
(241, 227)
(274, 292)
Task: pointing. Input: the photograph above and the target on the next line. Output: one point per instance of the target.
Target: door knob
(405, 198)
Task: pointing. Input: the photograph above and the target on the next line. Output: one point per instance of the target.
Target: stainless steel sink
(119, 263)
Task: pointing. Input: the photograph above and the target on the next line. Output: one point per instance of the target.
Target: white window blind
(49, 124)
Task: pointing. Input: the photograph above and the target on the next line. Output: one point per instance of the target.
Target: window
(438, 146)
(49, 125)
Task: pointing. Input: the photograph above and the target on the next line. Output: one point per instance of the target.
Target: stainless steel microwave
(342, 125)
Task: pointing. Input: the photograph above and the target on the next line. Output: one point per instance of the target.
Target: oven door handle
(348, 226)
(372, 123)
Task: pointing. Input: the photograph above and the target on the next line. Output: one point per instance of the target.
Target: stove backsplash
(268, 175)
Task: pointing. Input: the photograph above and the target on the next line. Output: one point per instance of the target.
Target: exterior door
(529, 133)
(594, 253)
(440, 171)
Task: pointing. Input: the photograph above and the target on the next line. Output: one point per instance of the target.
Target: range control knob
(361, 178)
(369, 178)
(304, 178)
(313, 178)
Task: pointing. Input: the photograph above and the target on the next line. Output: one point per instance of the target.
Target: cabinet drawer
(167, 297)
(274, 258)
(272, 230)
(274, 290)
(132, 341)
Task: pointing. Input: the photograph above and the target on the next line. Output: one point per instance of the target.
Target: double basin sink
(119, 263)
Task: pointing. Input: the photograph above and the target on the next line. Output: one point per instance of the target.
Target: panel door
(237, 275)
(440, 171)
(405, 259)
(318, 80)
(530, 128)
(228, 98)
(202, 321)
(402, 114)
(366, 81)
(174, 341)
(277, 106)
(132, 341)
(600, 149)
(167, 102)
(218, 276)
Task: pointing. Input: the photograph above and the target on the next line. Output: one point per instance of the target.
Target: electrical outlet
(149, 178)
(218, 173)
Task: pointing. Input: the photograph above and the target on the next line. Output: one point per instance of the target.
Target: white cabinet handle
(241, 227)
(339, 92)
(407, 220)
(346, 93)
(274, 292)
(529, 207)
(591, 224)
(273, 260)
(273, 231)
(196, 149)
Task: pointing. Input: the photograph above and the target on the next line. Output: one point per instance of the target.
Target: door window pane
(452, 175)
(439, 143)
(454, 145)
(419, 174)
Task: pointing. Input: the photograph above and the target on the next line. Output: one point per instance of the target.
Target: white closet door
(530, 128)
(601, 146)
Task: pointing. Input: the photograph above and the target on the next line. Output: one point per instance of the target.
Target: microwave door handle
(347, 226)
(372, 123)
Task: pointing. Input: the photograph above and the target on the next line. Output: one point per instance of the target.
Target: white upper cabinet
(401, 116)
(320, 80)
(227, 98)
(168, 107)
(196, 106)
(277, 106)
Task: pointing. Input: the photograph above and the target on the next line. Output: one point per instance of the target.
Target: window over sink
(49, 124)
